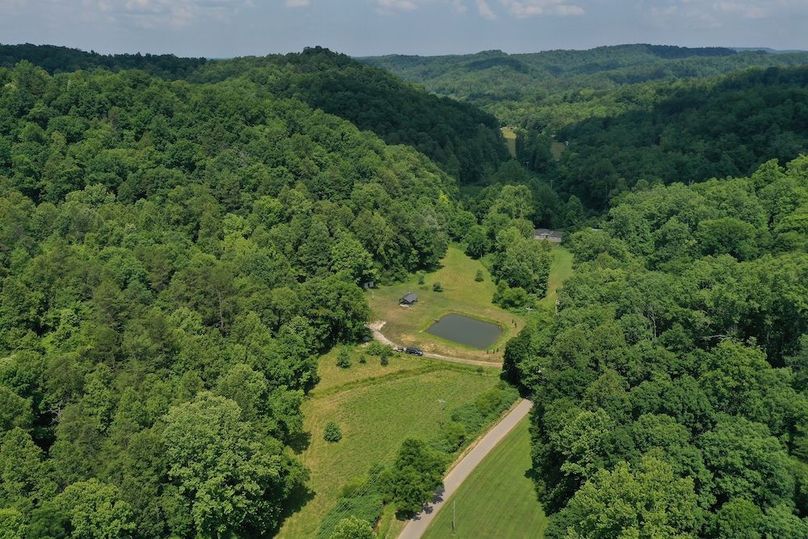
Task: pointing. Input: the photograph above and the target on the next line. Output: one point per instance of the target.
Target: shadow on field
(300, 442)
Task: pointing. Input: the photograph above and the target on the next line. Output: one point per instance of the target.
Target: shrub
(378, 349)
(421, 277)
(479, 277)
(332, 433)
(437, 287)
(352, 528)
(343, 359)
(363, 359)
(384, 360)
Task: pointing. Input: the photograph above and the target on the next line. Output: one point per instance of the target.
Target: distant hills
(512, 86)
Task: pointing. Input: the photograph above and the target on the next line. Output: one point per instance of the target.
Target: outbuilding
(408, 299)
(545, 234)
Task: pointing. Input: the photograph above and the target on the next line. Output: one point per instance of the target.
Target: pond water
(465, 330)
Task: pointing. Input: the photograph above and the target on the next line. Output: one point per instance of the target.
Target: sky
(226, 28)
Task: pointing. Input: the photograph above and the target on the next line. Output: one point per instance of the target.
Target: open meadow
(510, 140)
(461, 294)
(376, 407)
(498, 499)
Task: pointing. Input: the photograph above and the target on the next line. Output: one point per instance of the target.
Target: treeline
(461, 138)
(689, 132)
(671, 386)
(173, 256)
(55, 59)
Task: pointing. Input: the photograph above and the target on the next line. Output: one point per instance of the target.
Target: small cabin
(408, 299)
(545, 234)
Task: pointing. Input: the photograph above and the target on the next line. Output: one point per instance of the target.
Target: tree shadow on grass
(296, 501)
(300, 442)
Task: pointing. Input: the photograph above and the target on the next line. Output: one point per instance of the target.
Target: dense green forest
(689, 132)
(65, 60)
(670, 386)
(564, 86)
(173, 256)
(626, 114)
(462, 139)
(181, 238)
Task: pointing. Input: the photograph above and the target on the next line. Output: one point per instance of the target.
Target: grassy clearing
(461, 294)
(498, 499)
(376, 408)
(334, 378)
(557, 149)
(510, 140)
(560, 271)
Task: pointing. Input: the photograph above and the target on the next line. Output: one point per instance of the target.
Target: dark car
(414, 351)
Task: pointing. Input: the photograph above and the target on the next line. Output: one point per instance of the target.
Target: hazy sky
(223, 28)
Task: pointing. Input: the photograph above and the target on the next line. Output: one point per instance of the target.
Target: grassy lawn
(560, 271)
(510, 140)
(557, 149)
(376, 408)
(498, 499)
(461, 294)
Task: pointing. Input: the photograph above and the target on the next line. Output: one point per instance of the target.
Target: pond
(466, 330)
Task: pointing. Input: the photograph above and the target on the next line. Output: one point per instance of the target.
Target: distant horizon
(470, 53)
(231, 28)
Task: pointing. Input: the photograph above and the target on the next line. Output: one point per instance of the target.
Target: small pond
(465, 330)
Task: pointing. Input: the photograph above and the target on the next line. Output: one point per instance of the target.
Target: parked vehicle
(414, 351)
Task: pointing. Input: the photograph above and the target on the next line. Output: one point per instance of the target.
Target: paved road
(416, 527)
(376, 329)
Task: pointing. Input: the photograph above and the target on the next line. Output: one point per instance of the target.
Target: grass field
(557, 149)
(376, 408)
(560, 271)
(498, 499)
(510, 140)
(461, 294)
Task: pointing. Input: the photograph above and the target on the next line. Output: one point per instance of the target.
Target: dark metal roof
(409, 298)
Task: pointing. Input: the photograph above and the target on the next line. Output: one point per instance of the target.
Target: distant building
(546, 234)
(408, 299)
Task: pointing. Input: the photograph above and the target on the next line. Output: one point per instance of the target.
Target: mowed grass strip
(461, 294)
(374, 418)
(560, 271)
(510, 140)
(498, 499)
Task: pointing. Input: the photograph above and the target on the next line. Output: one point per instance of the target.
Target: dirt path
(416, 527)
(376, 329)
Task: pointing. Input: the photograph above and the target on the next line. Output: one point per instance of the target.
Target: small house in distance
(546, 234)
(408, 299)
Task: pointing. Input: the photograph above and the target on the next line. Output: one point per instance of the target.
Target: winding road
(376, 329)
(416, 527)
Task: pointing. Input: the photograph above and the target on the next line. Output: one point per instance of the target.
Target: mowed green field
(461, 294)
(510, 140)
(498, 500)
(376, 408)
(560, 271)
(558, 149)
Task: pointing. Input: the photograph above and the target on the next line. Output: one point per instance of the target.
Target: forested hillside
(172, 258)
(688, 132)
(554, 85)
(462, 139)
(670, 386)
(65, 60)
